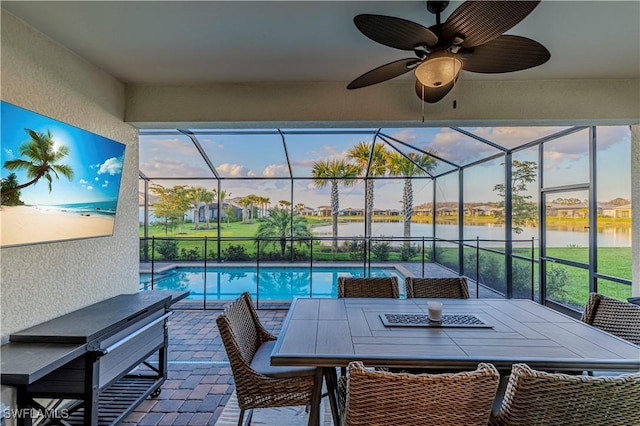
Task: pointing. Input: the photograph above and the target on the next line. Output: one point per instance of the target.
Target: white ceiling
(265, 41)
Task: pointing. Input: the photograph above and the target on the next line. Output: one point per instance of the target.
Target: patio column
(635, 207)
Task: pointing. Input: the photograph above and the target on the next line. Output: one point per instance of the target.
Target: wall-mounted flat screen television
(58, 182)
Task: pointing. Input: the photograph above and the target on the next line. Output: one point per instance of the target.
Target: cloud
(456, 147)
(105, 184)
(90, 188)
(83, 182)
(607, 136)
(234, 170)
(275, 170)
(96, 178)
(169, 167)
(112, 166)
(9, 152)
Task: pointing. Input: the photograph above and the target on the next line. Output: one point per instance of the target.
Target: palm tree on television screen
(44, 157)
(334, 172)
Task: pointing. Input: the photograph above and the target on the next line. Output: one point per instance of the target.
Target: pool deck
(412, 269)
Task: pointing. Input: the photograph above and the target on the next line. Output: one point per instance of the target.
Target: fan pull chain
(454, 83)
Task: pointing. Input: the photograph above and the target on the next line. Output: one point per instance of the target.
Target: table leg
(331, 378)
(314, 415)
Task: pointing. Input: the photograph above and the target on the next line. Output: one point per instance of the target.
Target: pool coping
(164, 267)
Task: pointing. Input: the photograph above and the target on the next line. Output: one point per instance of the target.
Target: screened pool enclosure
(535, 212)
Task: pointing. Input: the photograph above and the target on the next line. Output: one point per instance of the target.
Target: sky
(96, 161)
(263, 155)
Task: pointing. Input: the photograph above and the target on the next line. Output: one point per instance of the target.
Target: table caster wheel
(156, 393)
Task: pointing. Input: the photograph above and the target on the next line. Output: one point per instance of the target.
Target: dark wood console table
(89, 358)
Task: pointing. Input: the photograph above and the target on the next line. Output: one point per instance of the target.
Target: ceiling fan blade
(482, 21)
(432, 94)
(384, 73)
(395, 32)
(506, 53)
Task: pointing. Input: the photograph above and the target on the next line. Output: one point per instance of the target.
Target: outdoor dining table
(330, 333)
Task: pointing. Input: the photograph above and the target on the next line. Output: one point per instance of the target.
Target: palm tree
(334, 172)
(44, 157)
(264, 204)
(195, 196)
(360, 153)
(207, 198)
(409, 166)
(229, 209)
(279, 225)
(247, 207)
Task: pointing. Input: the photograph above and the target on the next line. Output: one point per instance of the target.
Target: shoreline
(29, 224)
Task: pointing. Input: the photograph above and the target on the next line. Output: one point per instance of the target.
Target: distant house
(350, 211)
(483, 210)
(227, 208)
(444, 211)
(622, 212)
(607, 210)
(305, 211)
(422, 211)
(580, 210)
(323, 211)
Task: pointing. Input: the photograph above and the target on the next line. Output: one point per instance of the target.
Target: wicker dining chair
(549, 399)
(370, 398)
(368, 287)
(616, 317)
(445, 287)
(248, 345)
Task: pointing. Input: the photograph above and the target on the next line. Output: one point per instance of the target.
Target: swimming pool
(271, 283)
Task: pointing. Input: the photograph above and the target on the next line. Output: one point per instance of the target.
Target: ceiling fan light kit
(470, 39)
(439, 70)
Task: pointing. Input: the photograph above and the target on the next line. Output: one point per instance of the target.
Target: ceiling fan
(470, 39)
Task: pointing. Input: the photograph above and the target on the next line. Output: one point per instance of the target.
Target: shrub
(521, 273)
(355, 248)
(408, 251)
(190, 254)
(380, 250)
(557, 278)
(167, 248)
(235, 252)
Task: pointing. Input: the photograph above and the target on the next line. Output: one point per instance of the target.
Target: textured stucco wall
(42, 281)
(635, 197)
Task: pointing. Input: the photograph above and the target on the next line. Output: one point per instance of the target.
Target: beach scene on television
(58, 182)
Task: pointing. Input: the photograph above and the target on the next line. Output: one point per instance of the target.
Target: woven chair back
(401, 399)
(550, 399)
(619, 318)
(450, 287)
(368, 287)
(239, 330)
(242, 333)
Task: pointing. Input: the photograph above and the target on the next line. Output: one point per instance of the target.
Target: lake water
(556, 237)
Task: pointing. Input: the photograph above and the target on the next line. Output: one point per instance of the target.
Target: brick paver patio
(199, 380)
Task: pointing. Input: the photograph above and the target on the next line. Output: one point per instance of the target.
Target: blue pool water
(272, 283)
